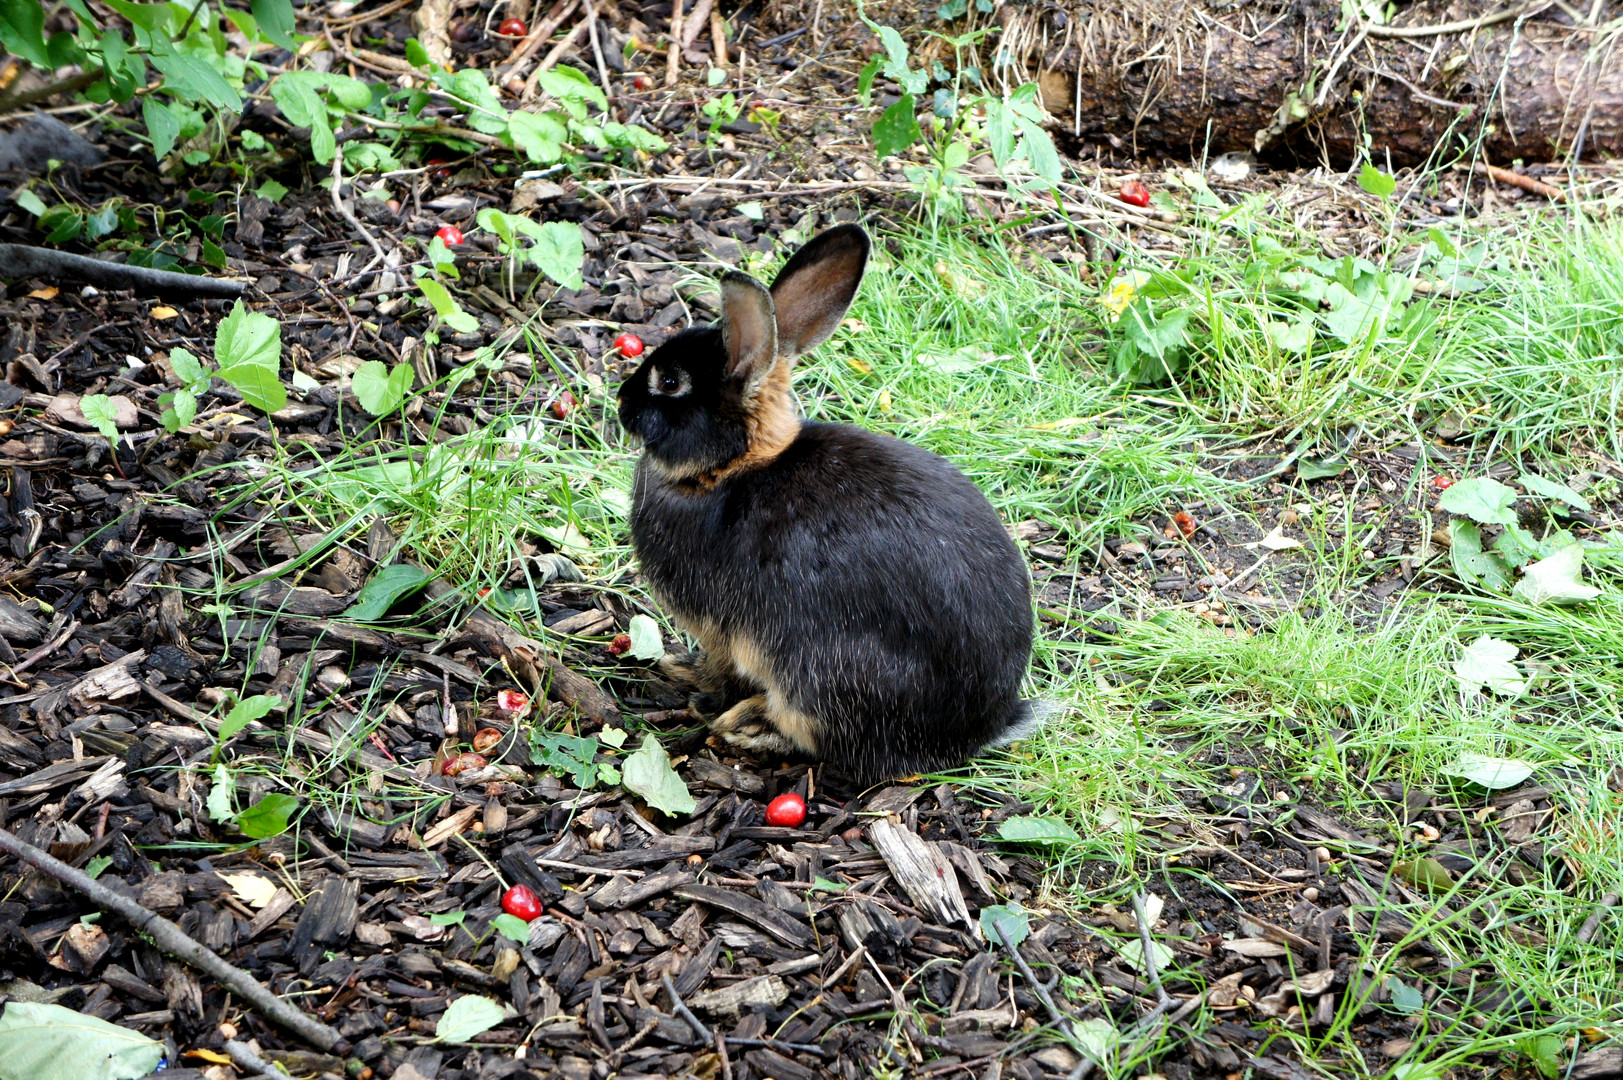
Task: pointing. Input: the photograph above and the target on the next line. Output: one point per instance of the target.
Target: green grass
(1006, 363)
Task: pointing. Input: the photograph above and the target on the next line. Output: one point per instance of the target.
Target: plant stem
(72, 84)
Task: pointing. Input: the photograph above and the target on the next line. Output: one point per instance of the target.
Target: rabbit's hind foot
(753, 725)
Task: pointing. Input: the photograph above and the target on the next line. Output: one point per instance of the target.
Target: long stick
(20, 260)
(172, 940)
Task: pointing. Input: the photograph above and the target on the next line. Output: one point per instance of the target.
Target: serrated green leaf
(540, 135)
(571, 755)
(1471, 564)
(49, 1042)
(268, 817)
(380, 390)
(101, 414)
(1487, 662)
(1010, 922)
(1489, 772)
(1376, 182)
(220, 805)
(646, 642)
(1039, 148)
(182, 411)
(1037, 830)
(271, 190)
(648, 773)
(247, 337)
(94, 868)
(386, 586)
(1557, 579)
(1482, 499)
(259, 386)
(468, 1016)
(559, 253)
(195, 80)
(1405, 998)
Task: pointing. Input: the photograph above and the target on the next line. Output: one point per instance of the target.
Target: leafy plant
(468, 1017)
(386, 586)
(555, 248)
(379, 389)
(100, 412)
(39, 1042)
(248, 349)
(648, 773)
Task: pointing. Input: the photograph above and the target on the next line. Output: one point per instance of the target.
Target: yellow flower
(1122, 290)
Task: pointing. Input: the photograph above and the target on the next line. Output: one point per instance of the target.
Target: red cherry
(462, 763)
(1134, 193)
(1442, 483)
(512, 28)
(1185, 521)
(439, 169)
(787, 811)
(620, 645)
(521, 902)
(629, 345)
(562, 404)
(450, 235)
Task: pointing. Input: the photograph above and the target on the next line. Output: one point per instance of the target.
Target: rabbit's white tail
(1029, 717)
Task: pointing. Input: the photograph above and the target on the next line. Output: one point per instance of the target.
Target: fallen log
(1293, 77)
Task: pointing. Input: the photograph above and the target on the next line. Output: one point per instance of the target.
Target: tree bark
(1209, 76)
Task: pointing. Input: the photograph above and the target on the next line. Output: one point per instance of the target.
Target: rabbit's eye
(669, 383)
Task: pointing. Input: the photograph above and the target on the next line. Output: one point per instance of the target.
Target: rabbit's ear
(749, 327)
(816, 286)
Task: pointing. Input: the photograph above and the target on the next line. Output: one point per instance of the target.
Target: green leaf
(386, 586)
(1157, 337)
(1546, 1053)
(25, 198)
(48, 1042)
(1489, 772)
(1405, 998)
(448, 918)
(612, 737)
(195, 80)
(416, 55)
(220, 804)
(268, 817)
(1557, 579)
(646, 643)
(1552, 490)
(1040, 150)
(1309, 468)
(182, 411)
(1011, 919)
(897, 128)
(1290, 336)
(1487, 662)
(1482, 499)
(446, 307)
(22, 31)
(865, 81)
(149, 17)
(99, 411)
(275, 19)
(1471, 564)
(571, 755)
(247, 337)
(1036, 830)
(246, 712)
(271, 190)
(162, 126)
(1376, 182)
(94, 868)
(188, 368)
(540, 135)
(559, 253)
(1427, 873)
(259, 386)
(511, 927)
(571, 84)
(468, 1016)
(379, 389)
(648, 773)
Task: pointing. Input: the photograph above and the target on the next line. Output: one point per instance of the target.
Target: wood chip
(925, 872)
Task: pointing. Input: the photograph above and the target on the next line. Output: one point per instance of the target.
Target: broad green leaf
(1482, 499)
(1405, 998)
(468, 1016)
(247, 337)
(259, 386)
(1098, 1036)
(634, 137)
(1546, 1053)
(380, 390)
(1552, 490)
(572, 84)
(1518, 547)
(1132, 953)
(486, 113)
(195, 80)
(1557, 579)
(559, 253)
(25, 198)
(268, 817)
(511, 927)
(188, 369)
(540, 135)
(100, 413)
(182, 411)
(865, 80)
(448, 918)
(1489, 772)
(446, 307)
(646, 643)
(22, 31)
(246, 712)
(275, 19)
(220, 805)
(386, 586)
(162, 126)
(897, 128)
(1156, 337)
(1427, 873)
(150, 17)
(1471, 564)
(612, 737)
(1376, 182)
(1309, 468)
(49, 1042)
(1036, 830)
(1001, 922)
(271, 190)
(1290, 336)
(648, 773)
(1487, 662)
(1040, 150)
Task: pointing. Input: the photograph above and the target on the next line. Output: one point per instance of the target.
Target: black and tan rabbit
(856, 597)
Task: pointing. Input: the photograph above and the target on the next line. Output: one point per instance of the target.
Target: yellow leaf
(213, 1057)
(884, 400)
(1122, 290)
(861, 367)
(251, 889)
(164, 313)
(47, 293)
(855, 325)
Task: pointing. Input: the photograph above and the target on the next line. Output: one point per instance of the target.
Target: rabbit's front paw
(680, 669)
(749, 726)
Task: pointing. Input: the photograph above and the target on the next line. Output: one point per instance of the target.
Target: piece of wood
(769, 990)
(625, 892)
(281, 902)
(20, 261)
(780, 924)
(925, 872)
(327, 922)
(51, 777)
(18, 625)
(673, 60)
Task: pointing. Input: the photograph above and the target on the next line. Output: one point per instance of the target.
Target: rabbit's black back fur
(856, 596)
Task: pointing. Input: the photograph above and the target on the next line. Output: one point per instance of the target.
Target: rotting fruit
(521, 902)
(462, 763)
(485, 738)
(787, 811)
